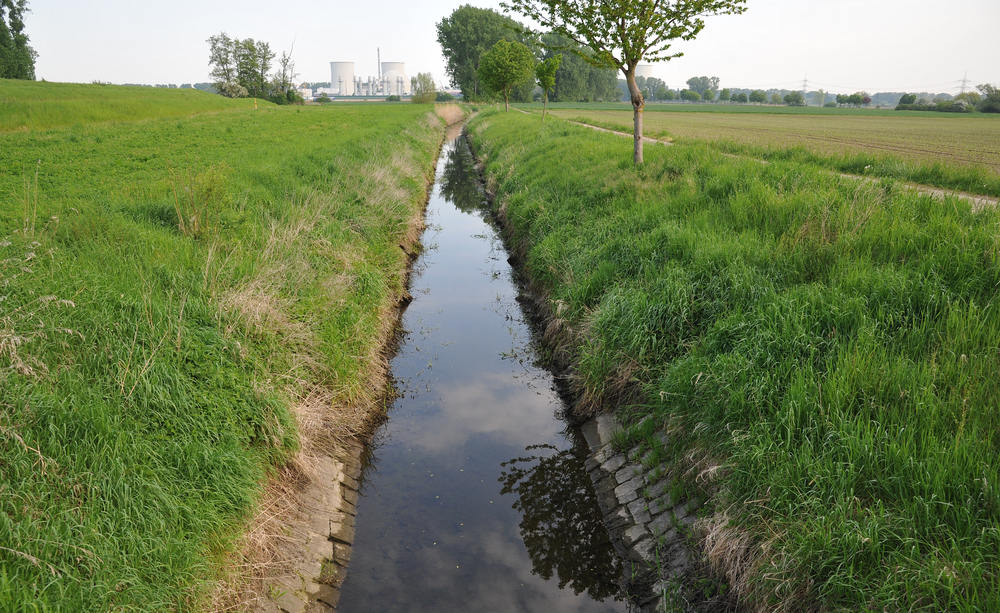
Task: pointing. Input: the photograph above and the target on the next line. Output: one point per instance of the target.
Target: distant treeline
(470, 31)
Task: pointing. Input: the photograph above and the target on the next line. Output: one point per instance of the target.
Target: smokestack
(379, 52)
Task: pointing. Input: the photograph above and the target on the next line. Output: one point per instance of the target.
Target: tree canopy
(241, 68)
(505, 66)
(17, 58)
(623, 33)
(465, 36)
(578, 80)
(702, 84)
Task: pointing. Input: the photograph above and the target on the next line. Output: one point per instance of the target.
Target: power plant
(644, 70)
(390, 81)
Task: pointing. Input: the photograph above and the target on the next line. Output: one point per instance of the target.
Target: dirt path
(978, 201)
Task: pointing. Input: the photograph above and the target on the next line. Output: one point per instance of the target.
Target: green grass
(33, 105)
(930, 151)
(767, 109)
(148, 376)
(832, 345)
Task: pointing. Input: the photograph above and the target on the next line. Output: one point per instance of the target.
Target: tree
(905, 99)
(690, 96)
(285, 74)
(623, 33)
(545, 74)
(577, 80)
(17, 58)
(662, 93)
(819, 97)
(505, 66)
(725, 95)
(795, 99)
(866, 99)
(855, 99)
(708, 95)
(700, 84)
(422, 88)
(758, 96)
(465, 36)
(741, 98)
(776, 98)
(991, 98)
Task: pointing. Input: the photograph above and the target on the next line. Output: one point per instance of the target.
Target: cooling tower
(394, 75)
(644, 70)
(342, 78)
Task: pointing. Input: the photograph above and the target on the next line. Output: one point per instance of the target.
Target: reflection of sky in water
(434, 532)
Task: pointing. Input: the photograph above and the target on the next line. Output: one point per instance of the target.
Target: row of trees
(17, 58)
(469, 32)
(985, 100)
(242, 69)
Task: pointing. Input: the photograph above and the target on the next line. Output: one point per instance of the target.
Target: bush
(830, 105)
(393, 98)
(323, 99)
(444, 97)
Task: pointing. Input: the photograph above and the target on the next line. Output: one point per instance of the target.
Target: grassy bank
(32, 105)
(820, 352)
(942, 152)
(172, 291)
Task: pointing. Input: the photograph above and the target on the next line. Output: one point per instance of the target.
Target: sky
(842, 47)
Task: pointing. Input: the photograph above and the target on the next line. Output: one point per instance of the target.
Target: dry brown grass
(328, 414)
(451, 113)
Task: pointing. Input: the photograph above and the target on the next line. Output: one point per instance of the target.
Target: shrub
(444, 97)
(393, 98)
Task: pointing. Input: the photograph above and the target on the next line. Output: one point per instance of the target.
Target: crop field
(737, 109)
(966, 141)
(813, 355)
(174, 292)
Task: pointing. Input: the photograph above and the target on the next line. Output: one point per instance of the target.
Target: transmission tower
(805, 85)
(965, 81)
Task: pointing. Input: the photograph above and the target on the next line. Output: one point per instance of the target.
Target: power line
(965, 81)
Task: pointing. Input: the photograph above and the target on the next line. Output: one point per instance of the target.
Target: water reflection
(435, 531)
(564, 538)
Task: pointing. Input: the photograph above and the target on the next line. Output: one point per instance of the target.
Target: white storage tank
(342, 78)
(644, 70)
(394, 76)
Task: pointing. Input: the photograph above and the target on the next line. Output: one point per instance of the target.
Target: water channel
(474, 493)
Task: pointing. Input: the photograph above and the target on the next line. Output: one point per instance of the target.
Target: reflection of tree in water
(460, 181)
(562, 526)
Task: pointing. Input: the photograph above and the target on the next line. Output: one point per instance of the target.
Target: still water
(475, 496)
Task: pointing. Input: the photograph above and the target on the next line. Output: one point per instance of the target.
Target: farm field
(819, 353)
(738, 109)
(965, 141)
(175, 290)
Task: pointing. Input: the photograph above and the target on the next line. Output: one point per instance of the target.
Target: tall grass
(822, 353)
(150, 374)
(31, 105)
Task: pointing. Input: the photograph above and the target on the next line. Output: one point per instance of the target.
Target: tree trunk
(637, 105)
(506, 105)
(545, 105)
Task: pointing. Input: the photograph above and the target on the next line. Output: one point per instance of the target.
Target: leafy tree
(819, 97)
(758, 96)
(795, 99)
(690, 96)
(577, 80)
(17, 58)
(465, 35)
(422, 88)
(700, 84)
(242, 63)
(708, 95)
(725, 95)
(663, 93)
(441, 97)
(776, 98)
(866, 99)
(505, 66)
(741, 98)
(991, 98)
(855, 99)
(285, 74)
(623, 33)
(842, 99)
(973, 98)
(545, 74)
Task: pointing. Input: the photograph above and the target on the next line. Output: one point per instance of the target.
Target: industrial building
(391, 80)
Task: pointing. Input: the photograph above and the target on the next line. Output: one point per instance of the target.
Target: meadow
(819, 351)
(178, 289)
(32, 105)
(718, 107)
(955, 152)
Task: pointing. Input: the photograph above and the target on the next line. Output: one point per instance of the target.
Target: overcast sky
(843, 46)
